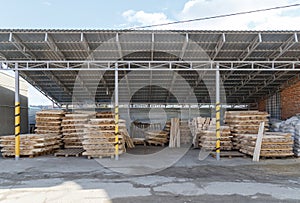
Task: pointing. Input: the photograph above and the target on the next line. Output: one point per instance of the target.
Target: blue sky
(89, 14)
(119, 14)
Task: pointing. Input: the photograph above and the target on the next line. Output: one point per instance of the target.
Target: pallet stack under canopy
(274, 144)
(105, 114)
(157, 137)
(200, 124)
(208, 139)
(244, 122)
(124, 133)
(73, 125)
(185, 133)
(49, 122)
(30, 144)
(99, 138)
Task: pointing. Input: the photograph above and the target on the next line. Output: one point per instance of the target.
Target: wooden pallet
(12, 155)
(69, 152)
(229, 154)
(155, 143)
(101, 156)
(139, 141)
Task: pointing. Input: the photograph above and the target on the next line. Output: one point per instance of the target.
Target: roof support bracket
(184, 46)
(152, 46)
(119, 46)
(285, 47)
(16, 41)
(252, 46)
(52, 45)
(86, 46)
(221, 41)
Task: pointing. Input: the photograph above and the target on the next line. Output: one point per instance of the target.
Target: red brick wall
(290, 100)
(262, 105)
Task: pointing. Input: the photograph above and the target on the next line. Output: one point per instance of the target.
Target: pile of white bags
(291, 125)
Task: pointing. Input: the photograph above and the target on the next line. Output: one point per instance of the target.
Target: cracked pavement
(52, 179)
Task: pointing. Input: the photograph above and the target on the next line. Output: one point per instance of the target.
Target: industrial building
(182, 73)
(7, 89)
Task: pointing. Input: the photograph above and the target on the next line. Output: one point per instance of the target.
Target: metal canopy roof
(253, 64)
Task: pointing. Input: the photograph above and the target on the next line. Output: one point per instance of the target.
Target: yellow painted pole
(116, 113)
(117, 132)
(17, 129)
(17, 114)
(218, 130)
(218, 113)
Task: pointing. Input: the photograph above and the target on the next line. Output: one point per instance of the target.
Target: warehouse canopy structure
(251, 64)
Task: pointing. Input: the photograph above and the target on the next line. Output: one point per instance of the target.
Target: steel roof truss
(252, 46)
(52, 45)
(285, 47)
(220, 43)
(16, 41)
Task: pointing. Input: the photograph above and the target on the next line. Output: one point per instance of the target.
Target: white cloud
(47, 3)
(143, 18)
(269, 20)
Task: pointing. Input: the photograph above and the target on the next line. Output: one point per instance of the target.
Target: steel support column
(116, 113)
(17, 113)
(218, 113)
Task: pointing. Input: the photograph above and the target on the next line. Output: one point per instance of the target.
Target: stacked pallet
(200, 124)
(203, 123)
(73, 129)
(208, 139)
(274, 144)
(106, 114)
(157, 137)
(185, 132)
(49, 122)
(30, 144)
(124, 133)
(99, 138)
(139, 129)
(244, 122)
(167, 127)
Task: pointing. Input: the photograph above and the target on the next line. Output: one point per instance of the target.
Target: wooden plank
(258, 142)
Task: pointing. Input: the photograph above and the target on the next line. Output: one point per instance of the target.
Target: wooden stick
(258, 142)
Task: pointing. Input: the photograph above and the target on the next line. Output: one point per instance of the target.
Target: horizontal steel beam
(154, 65)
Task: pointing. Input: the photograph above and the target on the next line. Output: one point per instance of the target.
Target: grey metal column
(116, 112)
(189, 112)
(17, 113)
(218, 112)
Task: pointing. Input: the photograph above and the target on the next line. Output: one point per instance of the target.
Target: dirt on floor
(77, 179)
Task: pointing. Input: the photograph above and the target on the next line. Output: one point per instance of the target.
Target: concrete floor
(51, 179)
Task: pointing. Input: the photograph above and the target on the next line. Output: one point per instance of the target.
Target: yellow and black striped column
(116, 112)
(218, 113)
(17, 129)
(116, 132)
(17, 114)
(218, 130)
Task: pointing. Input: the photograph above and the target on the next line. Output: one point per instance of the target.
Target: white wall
(7, 103)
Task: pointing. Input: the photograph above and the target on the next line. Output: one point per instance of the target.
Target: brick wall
(262, 105)
(290, 100)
